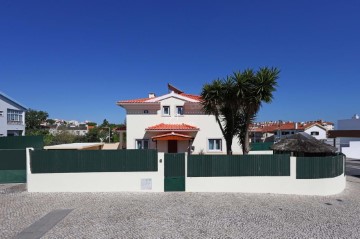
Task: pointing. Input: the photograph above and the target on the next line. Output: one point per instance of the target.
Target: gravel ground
(184, 215)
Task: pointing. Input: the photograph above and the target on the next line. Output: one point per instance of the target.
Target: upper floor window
(314, 132)
(14, 116)
(1, 113)
(215, 144)
(179, 110)
(166, 110)
(142, 144)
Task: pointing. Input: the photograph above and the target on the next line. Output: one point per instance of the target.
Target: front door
(172, 146)
(174, 172)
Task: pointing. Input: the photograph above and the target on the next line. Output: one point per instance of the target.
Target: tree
(236, 100)
(219, 99)
(252, 89)
(33, 121)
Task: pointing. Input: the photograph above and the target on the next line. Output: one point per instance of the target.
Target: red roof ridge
(181, 126)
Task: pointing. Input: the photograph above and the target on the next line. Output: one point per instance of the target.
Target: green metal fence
(261, 146)
(238, 165)
(319, 167)
(21, 142)
(12, 166)
(77, 161)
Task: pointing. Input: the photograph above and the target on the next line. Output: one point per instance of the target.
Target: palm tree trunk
(245, 145)
(228, 146)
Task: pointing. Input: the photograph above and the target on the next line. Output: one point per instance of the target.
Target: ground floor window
(215, 144)
(142, 144)
(14, 133)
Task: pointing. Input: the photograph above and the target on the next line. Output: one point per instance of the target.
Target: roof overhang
(172, 136)
(344, 134)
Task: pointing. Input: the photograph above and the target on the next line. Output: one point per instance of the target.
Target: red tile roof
(177, 127)
(141, 100)
(272, 127)
(194, 97)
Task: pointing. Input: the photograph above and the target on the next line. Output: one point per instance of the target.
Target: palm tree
(252, 89)
(218, 99)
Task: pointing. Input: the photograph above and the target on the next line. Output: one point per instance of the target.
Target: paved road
(179, 215)
(353, 167)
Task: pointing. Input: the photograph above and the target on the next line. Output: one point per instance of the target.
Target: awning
(172, 136)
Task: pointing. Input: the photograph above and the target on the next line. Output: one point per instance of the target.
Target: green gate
(174, 172)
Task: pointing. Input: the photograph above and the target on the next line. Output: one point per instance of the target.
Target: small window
(1, 113)
(166, 110)
(146, 112)
(179, 110)
(215, 144)
(142, 144)
(314, 132)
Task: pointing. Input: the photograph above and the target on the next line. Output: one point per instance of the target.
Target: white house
(173, 123)
(317, 131)
(350, 146)
(12, 117)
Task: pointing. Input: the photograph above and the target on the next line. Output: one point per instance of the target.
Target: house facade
(173, 123)
(12, 117)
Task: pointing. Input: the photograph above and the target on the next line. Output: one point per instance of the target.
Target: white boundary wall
(274, 184)
(139, 182)
(97, 182)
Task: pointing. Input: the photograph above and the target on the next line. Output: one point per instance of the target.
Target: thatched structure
(302, 144)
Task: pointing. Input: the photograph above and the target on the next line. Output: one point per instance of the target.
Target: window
(142, 144)
(1, 113)
(166, 110)
(146, 112)
(215, 144)
(314, 132)
(179, 110)
(14, 116)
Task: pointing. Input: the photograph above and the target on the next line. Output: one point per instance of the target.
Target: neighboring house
(173, 123)
(80, 130)
(349, 124)
(273, 131)
(12, 117)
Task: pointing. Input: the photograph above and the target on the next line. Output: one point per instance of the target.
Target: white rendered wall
(136, 124)
(353, 151)
(278, 185)
(262, 152)
(96, 182)
(322, 132)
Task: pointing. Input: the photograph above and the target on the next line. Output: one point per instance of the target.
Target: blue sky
(75, 59)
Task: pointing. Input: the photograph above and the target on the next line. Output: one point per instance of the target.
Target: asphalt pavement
(353, 167)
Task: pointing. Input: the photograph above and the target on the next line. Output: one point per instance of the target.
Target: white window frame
(142, 143)
(177, 112)
(163, 110)
(215, 148)
(14, 116)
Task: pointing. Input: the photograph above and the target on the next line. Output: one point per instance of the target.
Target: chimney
(296, 125)
(152, 95)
